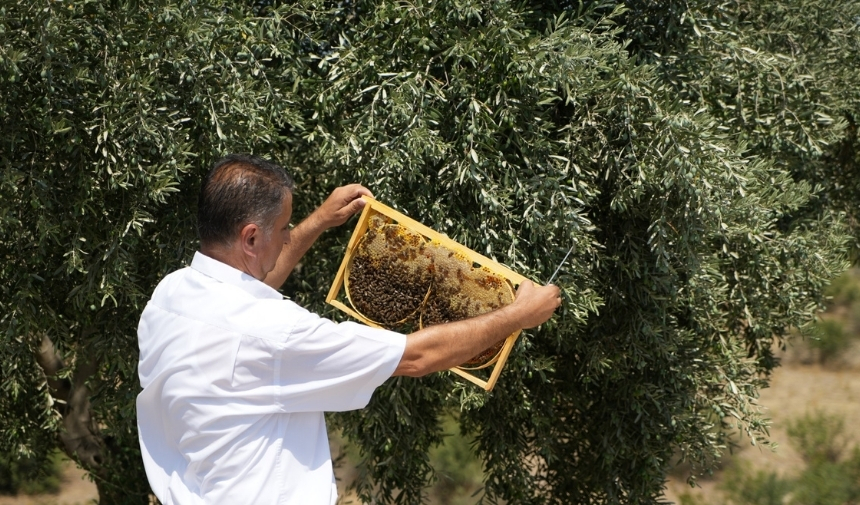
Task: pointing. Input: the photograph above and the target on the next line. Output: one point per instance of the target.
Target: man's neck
(228, 256)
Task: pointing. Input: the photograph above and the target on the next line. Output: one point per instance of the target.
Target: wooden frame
(374, 206)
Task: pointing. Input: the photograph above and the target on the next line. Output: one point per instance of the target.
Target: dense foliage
(111, 113)
(694, 154)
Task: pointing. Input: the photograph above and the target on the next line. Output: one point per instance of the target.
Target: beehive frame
(374, 207)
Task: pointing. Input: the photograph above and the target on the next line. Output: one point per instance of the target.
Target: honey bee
(396, 278)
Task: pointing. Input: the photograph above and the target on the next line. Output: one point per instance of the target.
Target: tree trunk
(81, 439)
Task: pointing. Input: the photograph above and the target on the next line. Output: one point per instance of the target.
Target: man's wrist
(515, 315)
(315, 223)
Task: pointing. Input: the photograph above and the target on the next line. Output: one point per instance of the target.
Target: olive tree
(519, 134)
(518, 129)
(780, 75)
(111, 112)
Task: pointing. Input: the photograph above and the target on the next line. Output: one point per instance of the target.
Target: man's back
(235, 382)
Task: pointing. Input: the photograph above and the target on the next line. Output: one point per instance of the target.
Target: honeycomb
(461, 291)
(389, 276)
(395, 277)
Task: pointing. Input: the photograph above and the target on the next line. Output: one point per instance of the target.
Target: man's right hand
(535, 304)
(446, 345)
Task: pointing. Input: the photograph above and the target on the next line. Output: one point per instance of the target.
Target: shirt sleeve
(317, 365)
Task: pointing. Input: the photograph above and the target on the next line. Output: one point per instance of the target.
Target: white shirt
(235, 381)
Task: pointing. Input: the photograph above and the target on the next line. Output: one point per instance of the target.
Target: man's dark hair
(240, 189)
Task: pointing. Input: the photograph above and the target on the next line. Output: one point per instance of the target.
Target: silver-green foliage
(110, 112)
(517, 131)
(781, 75)
(689, 262)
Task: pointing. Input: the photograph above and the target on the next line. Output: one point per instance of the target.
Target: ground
(801, 386)
(76, 490)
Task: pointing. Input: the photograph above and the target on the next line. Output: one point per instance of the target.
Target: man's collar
(229, 275)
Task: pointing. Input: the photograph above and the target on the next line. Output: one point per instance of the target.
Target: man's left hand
(342, 204)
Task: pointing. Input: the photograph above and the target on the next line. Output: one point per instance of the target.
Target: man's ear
(250, 239)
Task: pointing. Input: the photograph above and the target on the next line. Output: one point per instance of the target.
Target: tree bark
(80, 437)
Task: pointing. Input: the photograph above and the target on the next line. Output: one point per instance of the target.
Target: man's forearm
(447, 345)
(302, 237)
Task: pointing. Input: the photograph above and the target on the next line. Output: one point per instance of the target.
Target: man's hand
(338, 207)
(535, 304)
(342, 204)
(445, 345)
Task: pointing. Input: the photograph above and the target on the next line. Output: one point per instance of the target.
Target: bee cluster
(390, 275)
(396, 277)
(382, 291)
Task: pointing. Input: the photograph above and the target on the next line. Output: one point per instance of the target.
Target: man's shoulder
(170, 282)
(195, 296)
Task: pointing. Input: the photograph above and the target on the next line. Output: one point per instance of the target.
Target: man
(236, 379)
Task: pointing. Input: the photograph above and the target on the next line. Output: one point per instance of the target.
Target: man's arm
(338, 207)
(446, 345)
